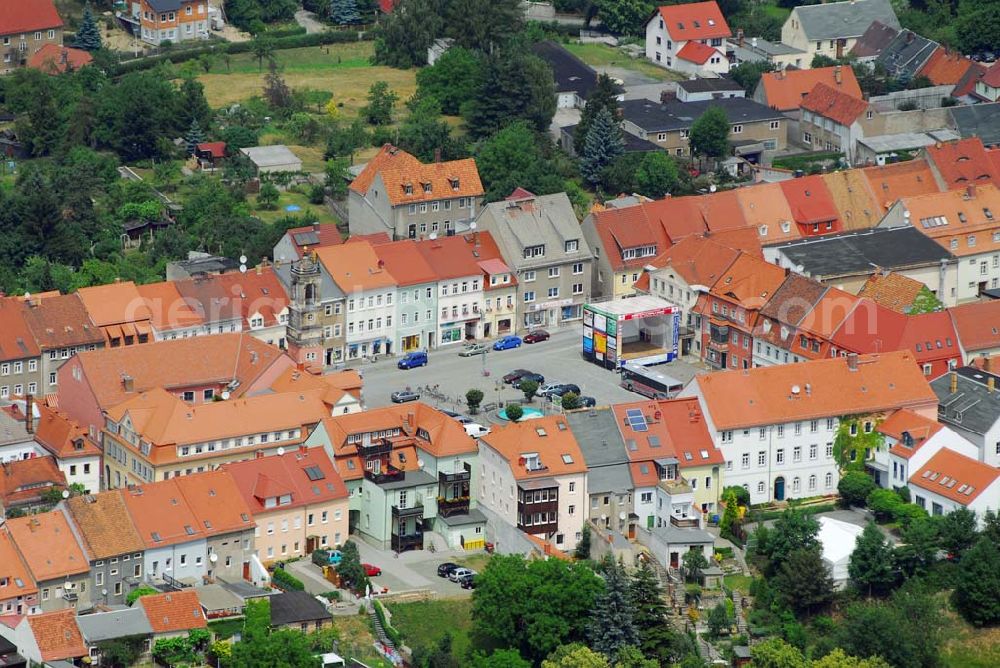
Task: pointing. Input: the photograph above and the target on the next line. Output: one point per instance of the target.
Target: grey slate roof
(545, 219)
(293, 607)
(570, 73)
(978, 120)
(633, 144)
(117, 624)
(906, 54)
(874, 40)
(856, 252)
(844, 19)
(601, 443)
(705, 85)
(973, 407)
(674, 535)
(656, 117)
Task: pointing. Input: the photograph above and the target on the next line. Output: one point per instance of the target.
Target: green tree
(977, 25)
(838, 659)
(776, 653)
(731, 525)
(533, 606)
(631, 657)
(261, 47)
(657, 174)
(381, 101)
(884, 503)
(474, 398)
(344, 141)
(925, 302)
(173, 651)
(719, 619)
(854, 488)
(694, 563)
(575, 655)
(528, 388)
(88, 35)
(337, 178)
(657, 638)
(121, 652)
(620, 176)
(484, 25)
(603, 96)
(502, 658)
(611, 627)
(710, 133)
(283, 648)
(350, 570)
(514, 412)
(193, 137)
(957, 532)
(424, 133)
(237, 137)
(872, 564)
(911, 617)
(583, 545)
(452, 79)
(403, 37)
(991, 526)
(624, 17)
(268, 196)
(748, 74)
(516, 156)
(515, 85)
(803, 581)
(276, 91)
(977, 590)
(793, 530)
(604, 144)
(918, 550)
(570, 401)
(344, 12)
(192, 105)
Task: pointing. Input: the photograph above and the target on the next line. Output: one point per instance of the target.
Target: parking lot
(558, 359)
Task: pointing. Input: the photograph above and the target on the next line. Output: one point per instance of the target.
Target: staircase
(738, 603)
(380, 633)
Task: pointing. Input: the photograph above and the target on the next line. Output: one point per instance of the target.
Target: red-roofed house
(812, 205)
(27, 26)
(174, 613)
(55, 59)
(46, 639)
(786, 89)
(24, 482)
(830, 120)
(934, 342)
(210, 155)
(950, 480)
(911, 440)
(961, 163)
(977, 325)
(988, 86)
(689, 38)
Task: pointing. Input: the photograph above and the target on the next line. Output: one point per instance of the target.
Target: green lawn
(320, 213)
(740, 583)
(425, 622)
(780, 13)
(602, 55)
(969, 647)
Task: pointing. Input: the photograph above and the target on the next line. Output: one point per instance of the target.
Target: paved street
(558, 359)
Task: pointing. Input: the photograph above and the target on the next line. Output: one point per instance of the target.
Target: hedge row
(763, 515)
(391, 632)
(286, 580)
(292, 42)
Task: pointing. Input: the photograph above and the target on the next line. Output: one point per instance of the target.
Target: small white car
(475, 430)
(460, 573)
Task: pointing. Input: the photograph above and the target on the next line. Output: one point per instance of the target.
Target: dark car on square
(536, 336)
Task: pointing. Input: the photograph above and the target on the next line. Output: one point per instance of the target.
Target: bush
(138, 593)
(884, 504)
(317, 194)
(854, 488)
(474, 398)
(391, 632)
(742, 494)
(570, 401)
(286, 580)
(321, 557)
(514, 412)
(224, 629)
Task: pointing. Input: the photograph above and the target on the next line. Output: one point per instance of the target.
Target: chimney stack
(437, 155)
(991, 384)
(852, 361)
(954, 382)
(258, 455)
(29, 413)
(970, 191)
(987, 364)
(128, 383)
(837, 76)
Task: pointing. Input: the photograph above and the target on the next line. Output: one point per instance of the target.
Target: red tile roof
(892, 290)
(954, 476)
(61, 436)
(355, 267)
(696, 52)
(811, 202)
(57, 635)
(992, 76)
(932, 338)
(694, 20)
(20, 16)
(977, 324)
(104, 525)
(550, 437)
(836, 105)
(460, 255)
(400, 170)
(405, 262)
(216, 501)
(216, 149)
(870, 328)
(945, 68)
(23, 481)
(921, 429)
(258, 292)
(289, 472)
(785, 90)
(15, 578)
(48, 546)
(60, 321)
(175, 611)
(903, 179)
(766, 209)
(56, 59)
(16, 339)
(679, 428)
(963, 162)
(749, 281)
(722, 211)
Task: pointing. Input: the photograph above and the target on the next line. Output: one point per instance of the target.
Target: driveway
(414, 569)
(309, 21)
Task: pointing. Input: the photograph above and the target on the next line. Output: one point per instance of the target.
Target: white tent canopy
(838, 540)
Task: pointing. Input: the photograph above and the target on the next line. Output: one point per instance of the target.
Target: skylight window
(567, 459)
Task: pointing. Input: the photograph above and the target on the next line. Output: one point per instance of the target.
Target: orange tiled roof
(258, 292)
(61, 436)
(174, 611)
(167, 308)
(698, 259)
(387, 156)
(15, 578)
(766, 208)
(23, 480)
(48, 546)
(829, 313)
(991, 77)
(931, 338)
(26, 16)
(827, 387)
(56, 59)
(288, 472)
(426, 182)
(104, 525)
(963, 162)
(945, 68)
(834, 104)
(890, 183)
(968, 216)
(16, 339)
(677, 428)
(977, 324)
(811, 201)
(955, 476)
(549, 437)
(216, 501)
(355, 267)
(696, 52)
(694, 21)
(722, 211)
(853, 199)
(333, 386)
(57, 635)
(59, 321)
(893, 290)
(750, 281)
(405, 262)
(870, 328)
(785, 90)
(921, 429)
(460, 255)
(114, 303)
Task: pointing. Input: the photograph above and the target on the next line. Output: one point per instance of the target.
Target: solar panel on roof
(314, 473)
(306, 238)
(636, 419)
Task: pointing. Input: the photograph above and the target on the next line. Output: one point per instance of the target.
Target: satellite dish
(104, 592)
(27, 295)
(281, 451)
(65, 494)
(225, 395)
(213, 557)
(712, 188)
(69, 586)
(796, 389)
(243, 269)
(906, 214)
(473, 225)
(434, 235)
(621, 515)
(420, 463)
(243, 259)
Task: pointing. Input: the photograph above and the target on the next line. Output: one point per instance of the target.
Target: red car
(371, 571)
(536, 336)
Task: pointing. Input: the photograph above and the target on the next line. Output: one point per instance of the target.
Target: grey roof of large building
(117, 624)
(293, 607)
(709, 85)
(978, 120)
(972, 407)
(601, 443)
(860, 252)
(844, 19)
(874, 40)
(545, 219)
(658, 117)
(906, 54)
(571, 74)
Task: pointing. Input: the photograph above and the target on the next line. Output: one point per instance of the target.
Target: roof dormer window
(454, 182)
(408, 188)
(427, 187)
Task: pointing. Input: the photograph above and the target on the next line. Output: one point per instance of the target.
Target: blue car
(412, 360)
(507, 342)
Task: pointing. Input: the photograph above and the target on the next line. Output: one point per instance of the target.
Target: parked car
(559, 389)
(371, 571)
(475, 430)
(402, 396)
(451, 414)
(412, 360)
(468, 582)
(587, 402)
(507, 342)
(462, 419)
(514, 375)
(536, 336)
(445, 569)
(334, 557)
(537, 377)
(460, 573)
(473, 349)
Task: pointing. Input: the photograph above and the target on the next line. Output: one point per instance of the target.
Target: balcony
(449, 507)
(718, 334)
(409, 542)
(685, 522)
(70, 596)
(390, 474)
(375, 449)
(446, 478)
(411, 511)
(675, 487)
